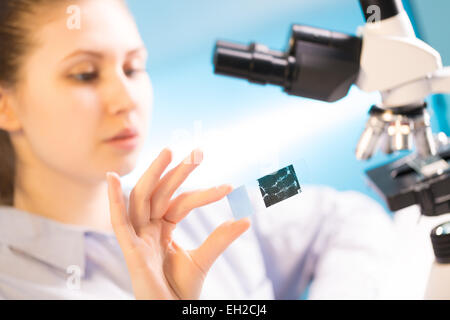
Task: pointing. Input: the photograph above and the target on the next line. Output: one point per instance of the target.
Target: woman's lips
(126, 143)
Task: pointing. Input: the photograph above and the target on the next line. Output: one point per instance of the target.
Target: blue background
(181, 35)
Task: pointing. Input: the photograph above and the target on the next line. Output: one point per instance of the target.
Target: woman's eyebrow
(99, 54)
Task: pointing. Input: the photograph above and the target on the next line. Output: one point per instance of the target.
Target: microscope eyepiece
(318, 64)
(254, 62)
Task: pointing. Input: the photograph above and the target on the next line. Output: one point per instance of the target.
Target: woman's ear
(8, 118)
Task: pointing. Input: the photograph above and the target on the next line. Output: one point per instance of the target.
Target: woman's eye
(85, 77)
(91, 76)
(131, 72)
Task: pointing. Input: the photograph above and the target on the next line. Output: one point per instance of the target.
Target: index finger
(171, 182)
(141, 194)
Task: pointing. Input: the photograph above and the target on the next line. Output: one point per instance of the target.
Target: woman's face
(84, 86)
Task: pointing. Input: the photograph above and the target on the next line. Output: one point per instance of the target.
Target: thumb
(218, 241)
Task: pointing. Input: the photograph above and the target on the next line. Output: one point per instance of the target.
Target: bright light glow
(257, 140)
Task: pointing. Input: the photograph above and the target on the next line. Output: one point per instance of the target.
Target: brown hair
(7, 169)
(15, 42)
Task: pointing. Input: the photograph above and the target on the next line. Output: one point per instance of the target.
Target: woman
(67, 231)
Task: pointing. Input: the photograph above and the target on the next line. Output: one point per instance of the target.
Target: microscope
(386, 57)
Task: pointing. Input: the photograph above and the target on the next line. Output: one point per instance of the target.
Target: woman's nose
(120, 95)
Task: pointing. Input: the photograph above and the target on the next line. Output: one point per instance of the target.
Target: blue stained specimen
(279, 185)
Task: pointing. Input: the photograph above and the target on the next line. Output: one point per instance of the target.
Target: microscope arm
(415, 91)
(440, 81)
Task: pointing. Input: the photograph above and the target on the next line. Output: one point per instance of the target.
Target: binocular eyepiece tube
(254, 62)
(318, 64)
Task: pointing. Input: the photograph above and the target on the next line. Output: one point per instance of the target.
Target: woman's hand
(158, 267)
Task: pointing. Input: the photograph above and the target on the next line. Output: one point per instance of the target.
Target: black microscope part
(251, 62)
(388, 8)
(400, 186)
(314, 56)
(440, 239)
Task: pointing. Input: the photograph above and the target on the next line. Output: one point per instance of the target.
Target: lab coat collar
(60, 245)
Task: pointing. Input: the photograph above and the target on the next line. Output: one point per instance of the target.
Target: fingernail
(111, 174)
(225, 188)
(197, 156)
(166, 149)
(244, 221)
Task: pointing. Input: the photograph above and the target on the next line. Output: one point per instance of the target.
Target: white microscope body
(405, 70)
